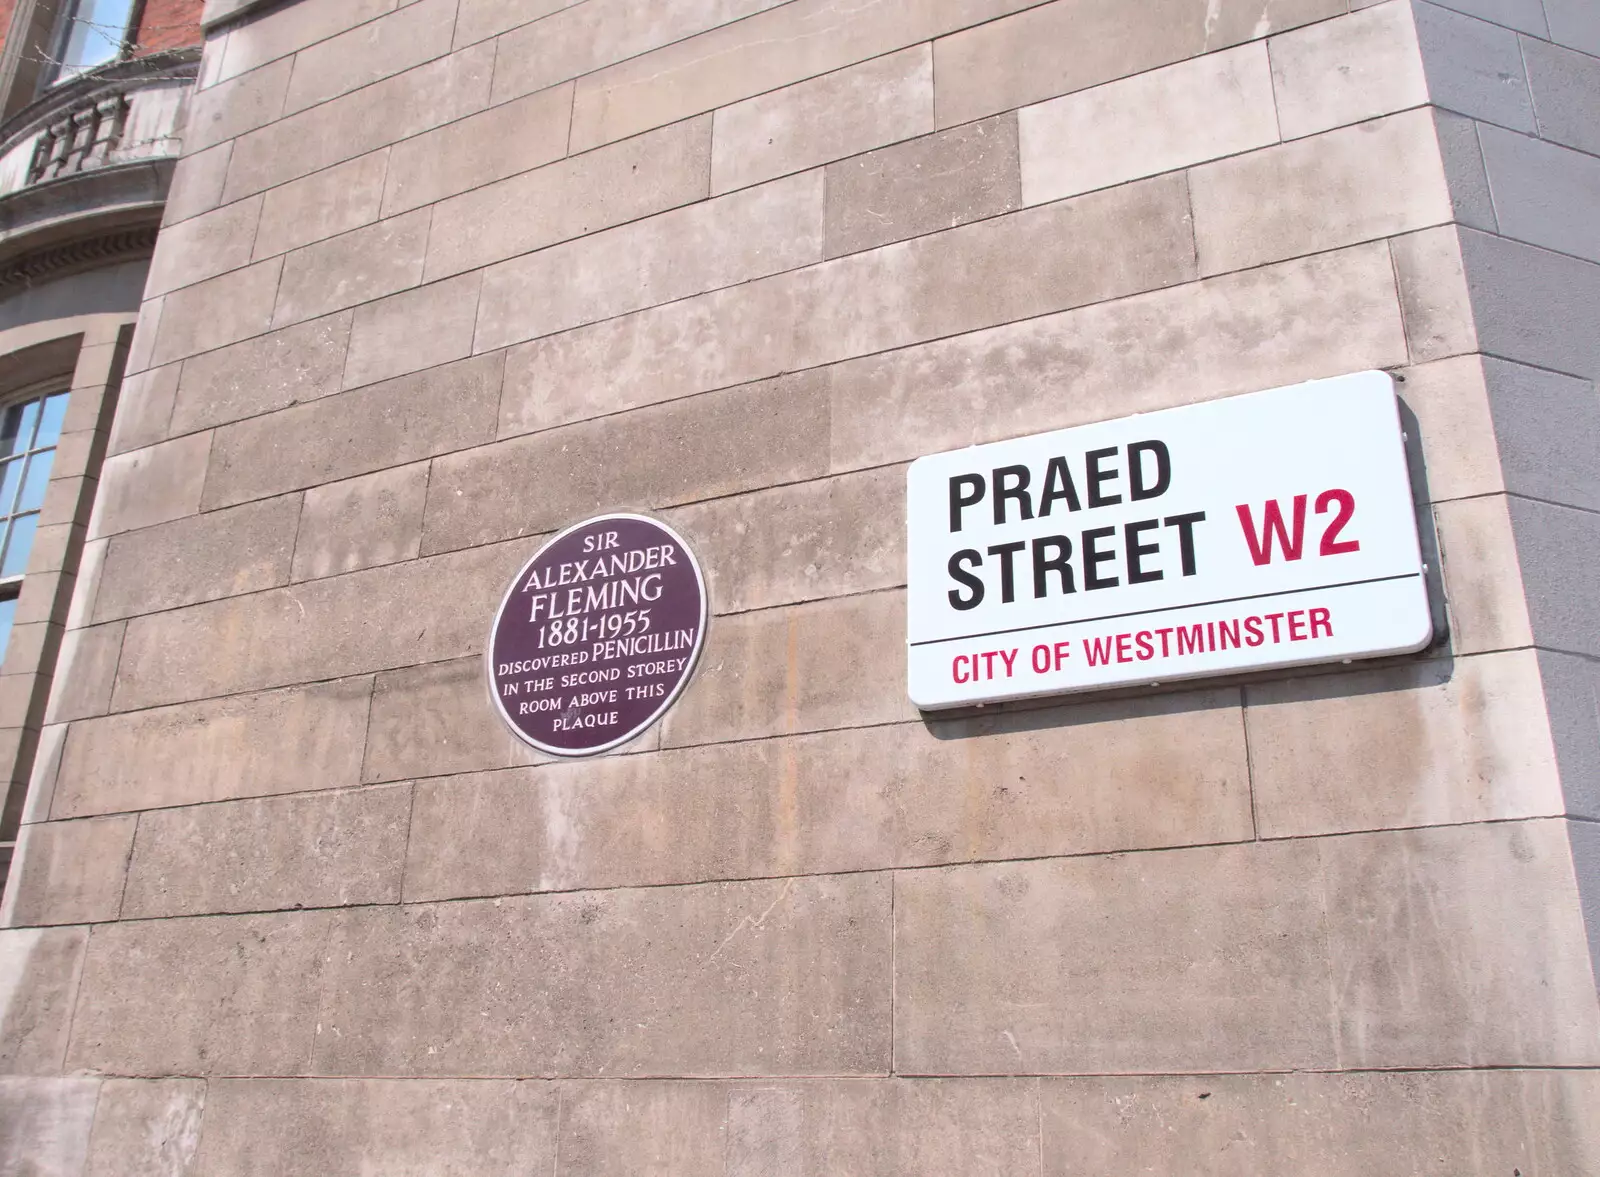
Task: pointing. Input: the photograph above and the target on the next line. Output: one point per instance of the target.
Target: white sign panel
(1268, 530)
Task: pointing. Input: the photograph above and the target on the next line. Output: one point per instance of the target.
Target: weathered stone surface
(575, 196)
(413, 33)
(361, 522)
(697, 448)
(323, 204)
(1507, 278)
(248, 1003)
(499, 142)
(665, 1126)
(1349, 69)
(235, 107)
(1566, 93)
(1273, 204)
(46, 1125)
(437, 719)
(217, 312)
(324, 849)
(1276, 325)
(812, 540)
(930, 183)
(844, 113)
(460, 1128)
(1461, 453)
(1548, 429)
(214, 751)
(1557, 548)
(197, 183)
(376, 619)
(204, 246)
(813, 667)
(1018, 60)
(38, 984)
(1431, 743)
(1216, 105)
(1482, 579)
(1539, 189)
(1474, 67)
(199, 558)
(1458, 947)
(688, 251)
(1099, 247)
(894, 1127)
(152, 485)
(355, 267)
(1340, 1125)
(1034, 784)
(146, 1128)
(1434, 294)
(273, 371)
(86, 672)
(356, 432)
(783, 977)
(144, 409)
(69, 872)
(1210, 959)
(477, 19)
(285, 31)
(385, 343)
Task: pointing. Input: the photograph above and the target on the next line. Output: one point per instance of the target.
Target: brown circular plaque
(597, 635)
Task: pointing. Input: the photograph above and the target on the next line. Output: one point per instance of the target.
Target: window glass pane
(9, 481)
(33, 484)
(16, 561)
(55, 410)
(94, 34)
(8, 610)
(16, 431)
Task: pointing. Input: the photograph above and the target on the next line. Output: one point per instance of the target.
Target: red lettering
(1041, 653)
(1164, 633)
(1122, 648)
(1273, 617)
(988, 663)
(1192, 640)
(1225, 635)
(1063, 652)
(1297, 626)
(1321, 619)
(1009, 659)
(1272, 524)
(1098, 651)
(1252, 629)
(957, 670)
(1146, 650)
(1331, 544)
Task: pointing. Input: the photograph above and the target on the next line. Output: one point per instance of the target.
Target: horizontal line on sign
(1316, 588)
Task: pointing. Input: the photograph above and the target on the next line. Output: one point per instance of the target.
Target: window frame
(40, 392)
(56, 71)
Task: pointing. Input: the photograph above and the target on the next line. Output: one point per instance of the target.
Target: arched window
(30, 426)
(88, 33)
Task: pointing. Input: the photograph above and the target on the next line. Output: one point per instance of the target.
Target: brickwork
(441, 277)
(168, 24)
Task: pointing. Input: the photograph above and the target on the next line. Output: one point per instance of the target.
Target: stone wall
(441, 277)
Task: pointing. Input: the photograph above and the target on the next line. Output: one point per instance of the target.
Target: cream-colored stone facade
(441, 277)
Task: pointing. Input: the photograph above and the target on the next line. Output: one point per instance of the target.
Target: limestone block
(204, 246)
(42, 780)
(1345, 70)
(1168, 118)
(197, 183)
(238, 106)
(353, 268)
(272, 371)
(1541, 192)
(1523, 15)
(325, 849)
(812, 540)
(664, 1126)
(1428, 743)
(1275, 325)
(366, 429)
(813, 667)
(199, 558)
(144, 335)
(69, 872)
(284, 31)
(38, 983)
(447, 1128)
(1431, 278)
(1461, 946)
(385, 339)
(410, 35)
(846, 112)
(321, 205)
(376, 619)
(582, 38)
(361, 522)
(217, 312)
(1548, 427)
(1556, 547)
(47, 1125)
(570, 198)
(1566, 92)
(146, 1128)
(1340, 1125)
(1482, 581)
(437, 719)
(1473, 67)
(1574, 24)
(250, 987)
(1461, 454)
(924, 185)
(1013, 62)
(477, 150)
(1533, 306)
(1026, 263)
(1462, 154)
(144, 409)
(361, 121)
(85, 673)
(1052, 782)
(1211, 959)
(688, 251)
(480, 19)
(788, 977)
(698, 448)
(214, 751)
(1275, 203)
(894, 1127)
(1571, 687)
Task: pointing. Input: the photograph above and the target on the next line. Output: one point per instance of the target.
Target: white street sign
(1267, 530)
